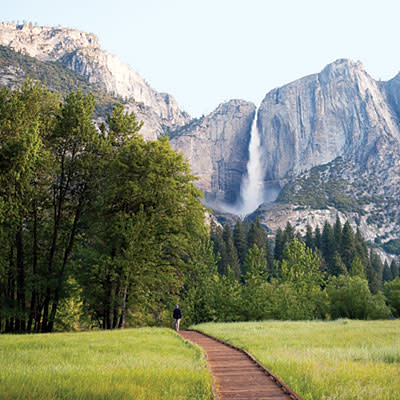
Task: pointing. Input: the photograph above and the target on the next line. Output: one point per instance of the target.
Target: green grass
(147, 363)
(342, 359)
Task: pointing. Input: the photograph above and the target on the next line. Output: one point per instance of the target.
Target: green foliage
(392, 293)
(350, 297)
(357, 268)
(118, 215)
(227, 298)
(148, 223)
(255, 299)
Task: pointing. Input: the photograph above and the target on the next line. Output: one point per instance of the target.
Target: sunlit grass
(342, 359)
(140, 364)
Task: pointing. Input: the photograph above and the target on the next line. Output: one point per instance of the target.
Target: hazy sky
(205, 52)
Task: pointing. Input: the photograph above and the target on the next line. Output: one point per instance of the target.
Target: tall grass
(140, 364)
(346, 360)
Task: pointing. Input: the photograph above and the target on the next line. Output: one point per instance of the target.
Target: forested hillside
(16, 67)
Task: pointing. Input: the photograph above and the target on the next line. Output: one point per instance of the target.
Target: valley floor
(341, 359)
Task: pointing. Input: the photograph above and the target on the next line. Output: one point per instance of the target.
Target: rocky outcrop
(216, 147)
(341, 111)
(81, 52)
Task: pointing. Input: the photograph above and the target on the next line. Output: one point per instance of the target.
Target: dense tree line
(323, 274)
(95, 223)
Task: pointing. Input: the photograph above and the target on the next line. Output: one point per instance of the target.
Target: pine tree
(230, 257)
(258, 236)
(357, 268)
(255, 264)
(387, 273)
(279, 245)
(394, 269)
(348, 249)
(372, 278)
(337, 233)
(317, 238)
(240, 240)
(337, 267)
(377, 265)
(289, 232)
(309, 239)
(328, 245)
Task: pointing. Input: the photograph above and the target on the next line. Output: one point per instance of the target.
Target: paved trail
(237, 376)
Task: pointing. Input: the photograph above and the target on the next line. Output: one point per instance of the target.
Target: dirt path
(237, 374)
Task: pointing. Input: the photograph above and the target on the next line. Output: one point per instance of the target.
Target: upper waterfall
(252, 187)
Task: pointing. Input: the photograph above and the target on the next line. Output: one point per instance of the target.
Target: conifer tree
(258, 236)
(357, 268)
(387, 273)
(240, 240)
(317, 238)
(289, 232)
(348, 248)
(230, 256)
(328, 244)
(279, 245)
(337, 266)
(309, 239)
(337, 233)
(394, 269)
(372, 278)
(377, 265)
(254, 300)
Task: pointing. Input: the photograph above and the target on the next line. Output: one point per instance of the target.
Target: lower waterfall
(252, 187)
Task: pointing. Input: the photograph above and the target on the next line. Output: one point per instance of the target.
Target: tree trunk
(67, 253)
(32, 314)
(123, 308)
(20, 321)
(11, 290)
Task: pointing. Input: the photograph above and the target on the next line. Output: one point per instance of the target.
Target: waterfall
(252, 187)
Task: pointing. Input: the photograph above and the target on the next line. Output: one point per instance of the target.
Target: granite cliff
(217, 148)
(341, 111)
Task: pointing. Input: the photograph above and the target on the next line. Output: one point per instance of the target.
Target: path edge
(292, 394)
(213, 380)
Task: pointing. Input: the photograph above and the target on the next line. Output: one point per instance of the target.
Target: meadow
(140, 364)
(343, 359)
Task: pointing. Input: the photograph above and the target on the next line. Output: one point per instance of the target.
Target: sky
(205, 52)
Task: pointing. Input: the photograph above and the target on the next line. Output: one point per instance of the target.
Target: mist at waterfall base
(253, 190)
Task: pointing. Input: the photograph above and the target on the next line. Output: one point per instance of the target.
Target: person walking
(177, 317)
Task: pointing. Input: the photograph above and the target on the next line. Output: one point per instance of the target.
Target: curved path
(237, 374)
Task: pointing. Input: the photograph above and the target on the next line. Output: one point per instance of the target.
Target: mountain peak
(43, 42)
(342, 66)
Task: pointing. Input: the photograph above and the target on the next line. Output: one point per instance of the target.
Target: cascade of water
(252, 187)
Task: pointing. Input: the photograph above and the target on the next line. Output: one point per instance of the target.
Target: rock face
(332, 141)
(81, 52)
(341, 111)
(217, 149)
